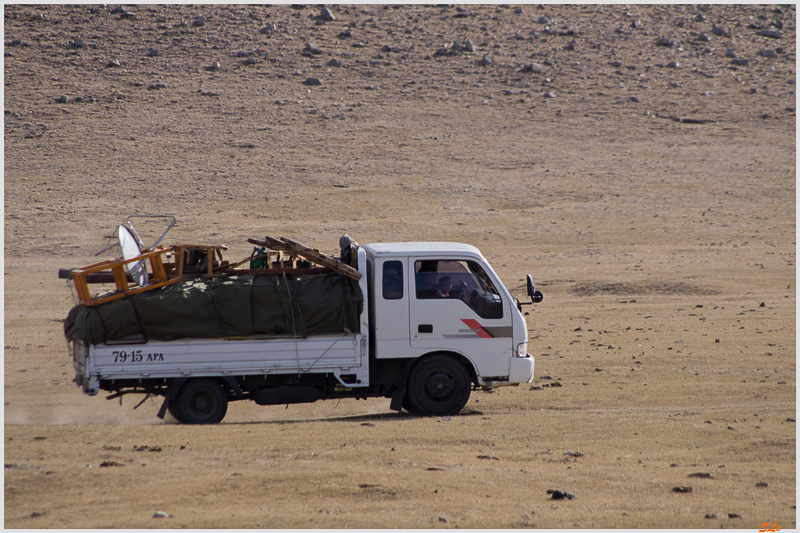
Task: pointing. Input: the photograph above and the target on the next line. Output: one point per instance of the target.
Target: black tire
(172, 408)
(200, 401)
(438, 385)
(407, 405)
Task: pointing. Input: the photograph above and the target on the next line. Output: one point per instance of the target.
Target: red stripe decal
(474, 324)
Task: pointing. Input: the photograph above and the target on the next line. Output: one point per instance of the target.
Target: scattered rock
(114, 63)
(543, 20)
(733, 515)
(160, 514)
(549, 94)
(62, 99)
(442, 519)
(719, 32)
(560, 495)
(311, 81)
(770, 54)
(704, 475)
(336, 62)
(488, 457)
(485, 61)
(146, 448)
(673, 64)
(110, 463)
(311, 49)
(156, 86)
(772, 34)
(325, 15)
(682, 490)
(199, 21)
(740, 61)
(533, 67)
(573, 454)
(664, 41)
(152, 52)
(762, 484)
(214, 66)
(710, 515)
(268, 29)
(468, 45)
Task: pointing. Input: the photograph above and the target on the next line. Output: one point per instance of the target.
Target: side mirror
(536, 296)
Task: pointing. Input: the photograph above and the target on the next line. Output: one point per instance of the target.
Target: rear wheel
(438, 386)
(200, 401)
(172, 407)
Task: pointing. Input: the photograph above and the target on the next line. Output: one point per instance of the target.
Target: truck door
(391, 308)
(455, 306)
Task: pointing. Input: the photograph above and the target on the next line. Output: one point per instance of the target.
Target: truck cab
(443, 300)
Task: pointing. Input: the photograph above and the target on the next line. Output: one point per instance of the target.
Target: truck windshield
(463, 280)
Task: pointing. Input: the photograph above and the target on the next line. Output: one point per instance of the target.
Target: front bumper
(520, 369)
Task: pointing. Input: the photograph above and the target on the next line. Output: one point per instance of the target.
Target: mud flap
(397, 399)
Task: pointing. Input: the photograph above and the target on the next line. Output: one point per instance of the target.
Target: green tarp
(234, 306)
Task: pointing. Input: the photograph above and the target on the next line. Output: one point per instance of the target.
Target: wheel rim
(201, 404)
(440, 385)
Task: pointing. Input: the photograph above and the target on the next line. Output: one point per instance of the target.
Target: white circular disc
(130, 249)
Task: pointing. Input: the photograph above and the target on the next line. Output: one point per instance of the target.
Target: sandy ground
(654, 205)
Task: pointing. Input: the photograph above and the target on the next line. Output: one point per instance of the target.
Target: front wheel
(438, 386)
(200, 401)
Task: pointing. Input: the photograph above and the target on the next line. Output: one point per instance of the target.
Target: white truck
(436, 321)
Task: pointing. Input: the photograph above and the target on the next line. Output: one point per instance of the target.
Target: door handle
(425, 328)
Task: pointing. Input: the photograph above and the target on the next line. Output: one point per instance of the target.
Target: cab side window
(392, 280)
(459, 280)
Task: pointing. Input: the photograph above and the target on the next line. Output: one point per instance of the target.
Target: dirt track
(653, 204)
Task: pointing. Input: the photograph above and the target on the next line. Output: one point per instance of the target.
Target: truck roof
(385, 249)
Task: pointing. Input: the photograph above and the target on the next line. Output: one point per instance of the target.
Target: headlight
(522, 349)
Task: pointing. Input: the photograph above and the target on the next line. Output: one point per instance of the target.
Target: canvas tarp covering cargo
(234, 306)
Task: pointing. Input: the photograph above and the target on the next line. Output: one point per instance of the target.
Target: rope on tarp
(136, 314)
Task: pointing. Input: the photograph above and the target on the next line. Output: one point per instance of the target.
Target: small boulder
(312, 49)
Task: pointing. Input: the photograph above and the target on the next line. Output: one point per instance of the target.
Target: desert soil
(638, 161)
